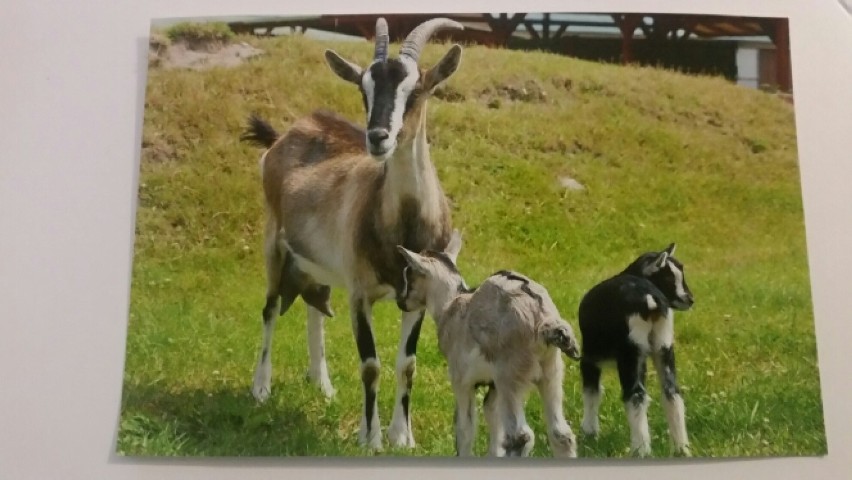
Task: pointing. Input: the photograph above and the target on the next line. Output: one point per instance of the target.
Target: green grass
(200, 32)
(664, 157)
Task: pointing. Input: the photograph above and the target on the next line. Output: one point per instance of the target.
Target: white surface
(747, 73)
(71, 93)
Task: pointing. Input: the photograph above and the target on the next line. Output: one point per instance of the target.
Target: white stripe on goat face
(680, 290)
(403, 90)
(369, 86)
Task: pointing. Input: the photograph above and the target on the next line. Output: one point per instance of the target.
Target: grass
(664, 157)
(200, 32)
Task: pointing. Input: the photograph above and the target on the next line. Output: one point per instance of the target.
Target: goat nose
(377, 135)
(401, 305)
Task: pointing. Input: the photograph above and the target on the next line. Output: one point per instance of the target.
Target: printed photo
(486, 234)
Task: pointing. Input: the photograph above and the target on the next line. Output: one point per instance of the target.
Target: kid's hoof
(371, 442)
(324, 384)
(260, 393)
(683, 451)
(518, 445)
(642, 451)
(590, 427)
(400, 437)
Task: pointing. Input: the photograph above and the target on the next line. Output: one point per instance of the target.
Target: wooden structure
(497, 30)
(662, 27)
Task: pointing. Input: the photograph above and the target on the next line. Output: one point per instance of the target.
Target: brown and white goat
(337, 211)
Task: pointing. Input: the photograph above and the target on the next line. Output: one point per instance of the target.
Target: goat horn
(382, 40)
(414, 42)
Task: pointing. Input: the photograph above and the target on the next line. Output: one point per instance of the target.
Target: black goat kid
(626, 319)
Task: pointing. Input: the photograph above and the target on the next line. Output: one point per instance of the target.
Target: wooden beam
(560, 32)
(545, 27)
(627, 23)
(503, 27)
(782, 51)
(531, 28)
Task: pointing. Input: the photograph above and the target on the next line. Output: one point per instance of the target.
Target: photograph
(545, 234)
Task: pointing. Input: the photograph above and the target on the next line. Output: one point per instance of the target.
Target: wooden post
(545, 27)
(784, 73)
(503, 27)
(627, 24)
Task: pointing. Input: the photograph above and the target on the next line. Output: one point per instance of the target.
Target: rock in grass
(571, 184)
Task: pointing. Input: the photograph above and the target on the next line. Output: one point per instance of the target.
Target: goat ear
(454, 247)
(654, 264)
(664, 255)
(343, 68)
(660, 262)
(414, 260)
(443, 69)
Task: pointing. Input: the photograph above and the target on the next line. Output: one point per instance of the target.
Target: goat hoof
(683, 451)
(642, 451)
(260, 388)
(260, 393)
(370, 434)
(591, 428)
(327, 390)
(401, 440)
(519, 445)
(371, 441)
(400, 437)
(324, 384)
(564, 444)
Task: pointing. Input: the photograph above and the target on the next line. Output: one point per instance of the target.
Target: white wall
(748, 67)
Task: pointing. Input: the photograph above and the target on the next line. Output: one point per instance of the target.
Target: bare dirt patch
(448, 93)
(528, 91)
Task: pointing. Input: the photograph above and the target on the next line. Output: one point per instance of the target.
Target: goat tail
(561, 336)
(259, 132)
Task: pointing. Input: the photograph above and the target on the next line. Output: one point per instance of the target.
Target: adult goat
(337, 212)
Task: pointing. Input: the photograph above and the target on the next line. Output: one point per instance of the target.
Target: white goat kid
(340, 199)
(506, 334)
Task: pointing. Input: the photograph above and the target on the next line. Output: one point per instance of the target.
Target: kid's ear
(454, 247)
(660, 262)
(414, 260)
(665, 255)
(654, 264)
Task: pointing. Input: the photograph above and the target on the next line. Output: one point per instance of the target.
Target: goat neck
(410, 175)
(444, 300)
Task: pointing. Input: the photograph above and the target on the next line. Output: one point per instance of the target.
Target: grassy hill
(663, 157)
